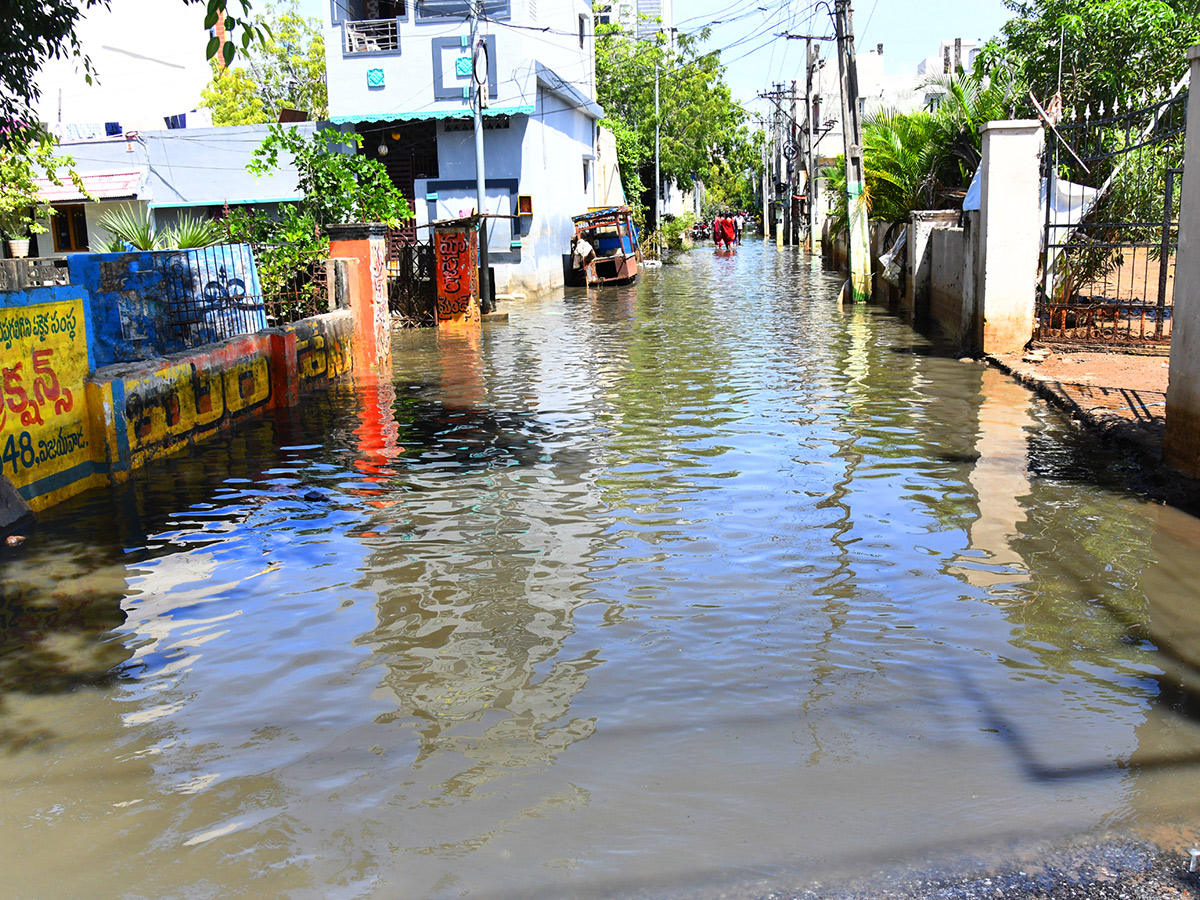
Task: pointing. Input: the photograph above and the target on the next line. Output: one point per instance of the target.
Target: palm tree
(925, 159)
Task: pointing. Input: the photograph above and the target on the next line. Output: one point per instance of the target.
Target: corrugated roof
(102, 186)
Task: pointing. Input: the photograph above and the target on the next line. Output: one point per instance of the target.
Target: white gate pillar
(1181, 441)
(1010, 222)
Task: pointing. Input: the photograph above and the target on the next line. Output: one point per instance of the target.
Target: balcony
(372, 36)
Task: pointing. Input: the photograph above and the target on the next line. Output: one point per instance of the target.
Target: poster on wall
(456, 251)
(43, 417)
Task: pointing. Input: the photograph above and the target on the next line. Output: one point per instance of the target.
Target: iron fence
(412, 290)
(209, 294)
(293, 286)
(1112, 186)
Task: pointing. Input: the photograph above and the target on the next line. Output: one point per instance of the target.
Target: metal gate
(1111, 225)
(412, 290)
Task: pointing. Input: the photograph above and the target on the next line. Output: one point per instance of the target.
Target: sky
(910, 31)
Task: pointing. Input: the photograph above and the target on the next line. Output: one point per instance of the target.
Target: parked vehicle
(616, 254)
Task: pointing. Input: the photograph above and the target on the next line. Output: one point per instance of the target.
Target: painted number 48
(18, 448)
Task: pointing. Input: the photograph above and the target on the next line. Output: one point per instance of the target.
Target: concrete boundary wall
(67, 426)
(919, 273)
(144, 411)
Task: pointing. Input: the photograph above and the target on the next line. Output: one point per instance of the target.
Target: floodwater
(701, 585)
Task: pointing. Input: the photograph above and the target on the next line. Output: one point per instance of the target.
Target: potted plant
(21, 205)
(17, 225)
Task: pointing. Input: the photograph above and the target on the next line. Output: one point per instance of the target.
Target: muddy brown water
(700, 585)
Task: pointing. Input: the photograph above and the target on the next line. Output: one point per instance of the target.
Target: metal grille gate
(1111, 225)
(412, 291)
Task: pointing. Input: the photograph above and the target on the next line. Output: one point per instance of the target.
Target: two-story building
(399, 73)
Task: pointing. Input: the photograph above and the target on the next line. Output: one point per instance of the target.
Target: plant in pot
(17, 225)
(22, 162)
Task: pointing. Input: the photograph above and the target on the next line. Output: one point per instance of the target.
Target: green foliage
(926, 159)
(287, 251)
(284, 70)
(234, 98)
(338, 187)
(733, 184)
(40, 30)
(1111, 49)
(128, 227)
(25, 156)
(672, 232)
(701, 126)
(190, 232)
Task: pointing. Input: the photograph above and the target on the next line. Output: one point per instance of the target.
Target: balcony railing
(372, 36)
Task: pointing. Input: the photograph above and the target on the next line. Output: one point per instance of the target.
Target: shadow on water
(436, 435)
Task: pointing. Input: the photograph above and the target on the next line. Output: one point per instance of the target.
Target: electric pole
(860, 260)
(797, 159)
(657, 174)
(766, 195)
(810, 59)
(479, 90)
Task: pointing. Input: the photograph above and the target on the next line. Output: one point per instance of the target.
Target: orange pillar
(456, 255)
(367, 243)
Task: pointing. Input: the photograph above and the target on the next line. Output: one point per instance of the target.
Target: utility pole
(860, 261)
(797, 159)
(657, 174)
(766, 195)
(811, 122)
(479, 92)
(778, 217)
(810, 191)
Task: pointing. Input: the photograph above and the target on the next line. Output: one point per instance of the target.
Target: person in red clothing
(724, 232)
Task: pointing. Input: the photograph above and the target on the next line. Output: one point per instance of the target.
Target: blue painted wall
(148, 304)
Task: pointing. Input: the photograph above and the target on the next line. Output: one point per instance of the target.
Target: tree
(701, 125)
(27, 156)
(926, 159)
(234, 98)
(1110, 49)
(338, 187)
(41, 30)
(733, 183)
(284, 70)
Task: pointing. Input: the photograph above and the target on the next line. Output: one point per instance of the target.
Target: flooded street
(697, 585)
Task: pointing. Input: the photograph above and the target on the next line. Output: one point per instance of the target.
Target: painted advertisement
(44, 438)
(456, 253)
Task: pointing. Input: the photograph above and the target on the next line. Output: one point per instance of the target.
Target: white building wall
(542, 80)
(609, 190)
(406, 82)
(97, 237)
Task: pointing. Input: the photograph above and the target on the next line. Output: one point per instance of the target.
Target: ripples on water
(698, 583)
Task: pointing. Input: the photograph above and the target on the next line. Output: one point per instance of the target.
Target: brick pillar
(367, 244)
(1181, 440)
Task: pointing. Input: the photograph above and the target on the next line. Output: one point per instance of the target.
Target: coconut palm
(925, 159)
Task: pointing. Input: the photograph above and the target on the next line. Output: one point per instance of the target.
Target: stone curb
(1141, 437)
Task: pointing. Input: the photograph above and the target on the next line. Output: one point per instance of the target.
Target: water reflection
(642, 592)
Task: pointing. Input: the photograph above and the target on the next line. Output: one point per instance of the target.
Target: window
(68, 224)
(582, 31)
(460, 9)
(587, 175)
